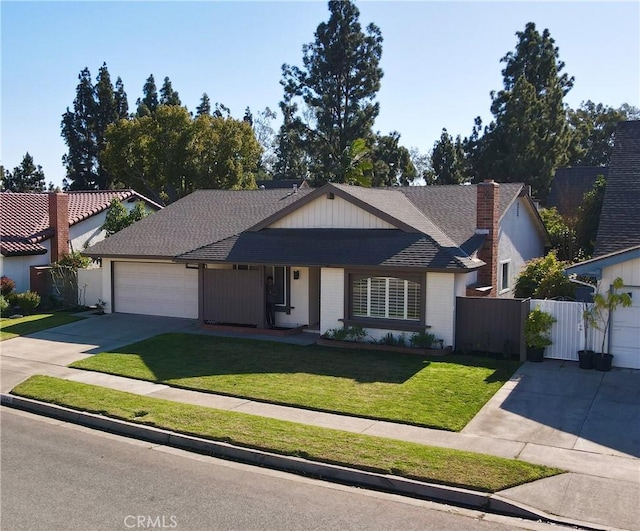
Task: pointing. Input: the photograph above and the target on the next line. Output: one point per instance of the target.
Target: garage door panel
(156, 289)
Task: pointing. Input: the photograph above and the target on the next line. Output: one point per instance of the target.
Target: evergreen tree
(391, 162)
(168, 96)
(27, 177)
(106, 112)
(589, 217)
(292, 161)
(205, 106)
(448, 165)
(78, 131)
(530, 135)
(122, 104)
(149, 102)
(337, 83)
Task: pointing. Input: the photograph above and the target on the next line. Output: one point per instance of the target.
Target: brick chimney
(59, 222)
(488, 198)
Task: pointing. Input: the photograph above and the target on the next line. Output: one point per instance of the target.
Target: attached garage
(150, 288)
(625, 332)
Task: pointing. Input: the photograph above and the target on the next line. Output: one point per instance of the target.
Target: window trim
(382, 322)
(502, 287)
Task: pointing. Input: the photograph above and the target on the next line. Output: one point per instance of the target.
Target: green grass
(437, 465)
(10, 328)
(439, 392)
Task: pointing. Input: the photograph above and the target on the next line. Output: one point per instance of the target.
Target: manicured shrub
(4, 305)
(27, 302)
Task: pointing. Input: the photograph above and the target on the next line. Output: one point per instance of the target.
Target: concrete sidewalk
(550, 413)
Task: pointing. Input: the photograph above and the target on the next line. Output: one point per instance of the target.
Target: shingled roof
(24, 218)
(619, 226)
(202, 217)
(435, 227)
(569, 186)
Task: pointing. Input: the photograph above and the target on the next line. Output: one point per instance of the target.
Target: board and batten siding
(331, 298)
(336, 213)
(441, 300)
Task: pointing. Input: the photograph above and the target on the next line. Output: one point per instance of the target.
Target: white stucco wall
(89, 286)
(519, 241)
(323, 213)
(331, 298)
(17, 268)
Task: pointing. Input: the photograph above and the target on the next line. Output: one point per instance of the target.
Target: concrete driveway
(555, 404)
(49, 351)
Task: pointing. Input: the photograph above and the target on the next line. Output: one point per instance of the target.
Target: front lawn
(10, 328)
(425, 463)
(439, 392)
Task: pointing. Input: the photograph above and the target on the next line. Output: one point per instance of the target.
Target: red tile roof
(24, 218)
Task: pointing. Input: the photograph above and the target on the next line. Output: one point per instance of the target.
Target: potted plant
(603, 307)
(585, 357)
(536, 333)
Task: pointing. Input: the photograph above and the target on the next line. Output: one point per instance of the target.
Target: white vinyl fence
(567, 332)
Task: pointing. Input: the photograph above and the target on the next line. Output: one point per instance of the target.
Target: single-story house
(37, 228)
(617, 247)
(391, 259)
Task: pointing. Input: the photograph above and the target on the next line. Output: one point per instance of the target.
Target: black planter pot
(602, 362)
(585, 358)
(535, 354)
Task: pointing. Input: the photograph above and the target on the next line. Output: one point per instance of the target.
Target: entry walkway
(546, 414)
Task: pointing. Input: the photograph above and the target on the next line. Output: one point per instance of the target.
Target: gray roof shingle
(619, 226)
(569, 186)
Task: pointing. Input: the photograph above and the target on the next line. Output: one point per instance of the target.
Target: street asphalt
(550, 413)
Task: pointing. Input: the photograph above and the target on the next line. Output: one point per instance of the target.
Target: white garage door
(625, 332)
(155, 289)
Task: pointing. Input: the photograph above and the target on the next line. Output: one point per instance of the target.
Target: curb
(339, 474)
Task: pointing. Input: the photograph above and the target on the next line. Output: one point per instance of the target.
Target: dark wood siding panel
(491, 325)
(233, 297)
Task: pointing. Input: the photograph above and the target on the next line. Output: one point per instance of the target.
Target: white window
(505, 276)
(385, 298)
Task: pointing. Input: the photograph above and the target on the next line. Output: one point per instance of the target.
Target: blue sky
(440, 59)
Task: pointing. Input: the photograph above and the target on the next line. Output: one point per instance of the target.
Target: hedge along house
(386, 259)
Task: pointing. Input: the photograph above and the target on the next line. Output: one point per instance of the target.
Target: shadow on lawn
(175, 356)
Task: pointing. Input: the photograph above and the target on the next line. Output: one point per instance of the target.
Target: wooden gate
(234, 297)
(491, 325)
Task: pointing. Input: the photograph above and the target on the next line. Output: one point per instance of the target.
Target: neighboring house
(386, 259)
(569, 186)
(617, 249)
(37, 228)
(289, 184)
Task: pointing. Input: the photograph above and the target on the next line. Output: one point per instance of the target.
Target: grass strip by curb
(424, 463)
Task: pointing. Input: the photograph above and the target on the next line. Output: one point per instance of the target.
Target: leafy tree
(149, 102)
(337, 84)
(530, 135)
(265, 135)
(391, 162)
(448, 162)
(27, 177)
(168, 96)
(544, 278)
(422, 163)
(168, 154)
(594, 125)
(205, 106)
(118, 218)
(561, 234)
(589, 217)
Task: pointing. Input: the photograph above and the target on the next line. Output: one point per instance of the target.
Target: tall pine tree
(337, 84)
(149, 102)
(168, 96)
(27, 177)
(530, 136)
